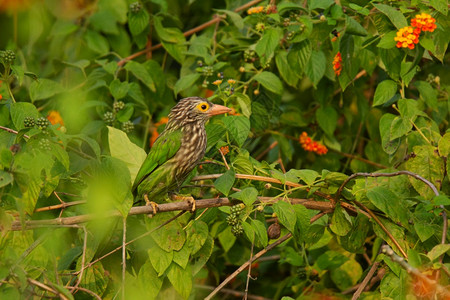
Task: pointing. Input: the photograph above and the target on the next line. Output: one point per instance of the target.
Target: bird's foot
(154, 205)
(189, 199)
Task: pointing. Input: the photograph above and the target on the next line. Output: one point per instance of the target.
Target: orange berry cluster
(337, 64)
(255, 10)
(408, 37)
(225, 150)
(309, 145)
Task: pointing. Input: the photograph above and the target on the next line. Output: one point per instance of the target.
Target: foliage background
(87, 65)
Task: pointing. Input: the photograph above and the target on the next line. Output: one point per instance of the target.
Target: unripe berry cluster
(234, 219)
(7, 56)
(42, 123)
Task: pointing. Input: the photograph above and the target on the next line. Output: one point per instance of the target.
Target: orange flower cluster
(309, 145)
(155, 133)
(337, 64)
(225, 150)
(255, 10)
(424, 22)
(55, 118)
(408, 37)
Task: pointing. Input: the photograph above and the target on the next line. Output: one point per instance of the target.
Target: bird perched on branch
(177, 150)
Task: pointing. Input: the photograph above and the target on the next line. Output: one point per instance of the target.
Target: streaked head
(194, 109)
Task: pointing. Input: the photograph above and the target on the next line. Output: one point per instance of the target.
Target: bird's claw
(189, 199)
(154, 205)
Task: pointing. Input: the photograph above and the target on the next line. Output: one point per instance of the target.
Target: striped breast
(192, 150)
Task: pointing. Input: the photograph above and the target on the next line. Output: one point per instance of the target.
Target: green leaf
(355, 239)
(181, 279)
(172, 237)
(302, 225)
(308, 176)
(437, 251)
(396, 17)
(201, 257)
(389, 203)
(270, 81)
(160, 259)
(235, 18)
(321, 4)
(384, 92)
(340, 221)
(197, 235)
(260, 231)
(118, 89)
(44, 88)
(389, 145)
(347, 275)
(138, 21)
(5, 178)
(238, 127)
(21, 110)
(400, 127)
(244, 103)
(427, 93)
(331, 260)
(444, 145)
(122, 148)
(168, 34)
(426, 163)
(327, 117)
(96, 42)
(141, 73)
(265, 47)
(185, 82)
(353, 27)
(19, 73)
(285, 214)
(249, 231)
(248, 195)
(440, 5)
(126, 113)
(316, 66)
(181, 257)
(227, 239)
(149, 282)
(423, 229)
(299, 56)
(225, 182)
(287, 73)
(387, 40)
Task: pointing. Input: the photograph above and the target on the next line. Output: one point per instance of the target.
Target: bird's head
(194, 109)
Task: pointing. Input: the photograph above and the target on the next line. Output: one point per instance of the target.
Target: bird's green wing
(164, 148)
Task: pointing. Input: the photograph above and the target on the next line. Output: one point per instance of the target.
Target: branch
(164, 207)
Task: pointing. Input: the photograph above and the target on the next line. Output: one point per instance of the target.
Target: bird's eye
(203, 106)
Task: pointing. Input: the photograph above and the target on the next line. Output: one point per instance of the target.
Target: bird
(176, 151)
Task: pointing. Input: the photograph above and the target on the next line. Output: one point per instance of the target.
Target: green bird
(177, 150)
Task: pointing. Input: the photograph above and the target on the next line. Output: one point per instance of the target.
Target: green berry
(128, 126)
(29, 122)
(8, 56)
(237, 229)
(109, 117)
(42, 123)
(119, 105)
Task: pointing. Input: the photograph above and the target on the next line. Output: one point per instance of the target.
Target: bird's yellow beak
(218, 110)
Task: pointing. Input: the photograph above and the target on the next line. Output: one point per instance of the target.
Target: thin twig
(58, 206)
(83, 260)
(86, 291)
(46, 288)
(366, 280)
(249, 273)
(261, 155)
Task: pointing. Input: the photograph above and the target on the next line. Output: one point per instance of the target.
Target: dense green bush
(338, 143)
